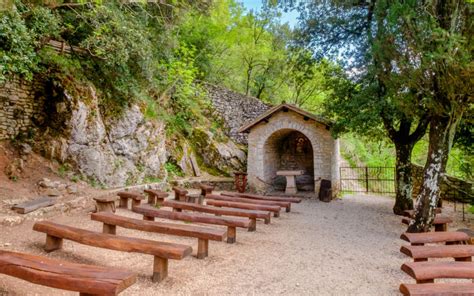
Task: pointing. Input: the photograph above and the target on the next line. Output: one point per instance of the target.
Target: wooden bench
(252, 215)
(180, 194)
(136, 198)
(105, 203)
(423, 253)
(450, 237)
(156, 196)
(263, 197)
(411, 213)
(245, 206)
(231, 223)
(55, 233)
(201, 233)
(241, 195)
(283, 204)
(440, 222)
(427, 272)
(438, 289)
(206, 189)
(82, 278)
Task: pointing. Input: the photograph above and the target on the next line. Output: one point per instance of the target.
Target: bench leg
(203, 248)
(467, 259)
(151, 199)
(160, 269)
(109, 229)
(123, 203)
(425, 281)
(231, 234)
(441, 227)
(148, 218)
(53, 243)
(105, 207)
(135, 202)
(267, 220)
(288, 208)
(276, 214)
(253, 224)
(420, 259)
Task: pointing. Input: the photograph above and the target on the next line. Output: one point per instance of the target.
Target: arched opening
(288, 149)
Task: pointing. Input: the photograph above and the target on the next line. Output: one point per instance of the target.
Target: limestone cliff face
(68, 126)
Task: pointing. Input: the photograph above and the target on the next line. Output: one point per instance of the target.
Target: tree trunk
(442, 131)
(403, 179)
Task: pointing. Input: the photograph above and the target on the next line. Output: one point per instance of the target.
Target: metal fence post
(366, 179)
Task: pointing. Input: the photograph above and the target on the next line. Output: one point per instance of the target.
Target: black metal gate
(368, 179)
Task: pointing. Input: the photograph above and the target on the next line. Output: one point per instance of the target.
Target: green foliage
(151, 179)
(173, 170)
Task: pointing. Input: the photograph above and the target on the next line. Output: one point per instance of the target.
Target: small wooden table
(290, 180)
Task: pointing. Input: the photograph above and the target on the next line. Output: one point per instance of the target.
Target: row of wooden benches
(110, 281)
(441, 244)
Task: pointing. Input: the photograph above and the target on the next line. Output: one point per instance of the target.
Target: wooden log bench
(156, 197)
(241, 195)
(82, 278)
(206, 189)
(283, 204)
(411, 213)
(252, 215)
(105, 203)
(231, 223)
(55, 233)
(263, 197)
(423, 253)
(180, 194)
(246, 206)
(449, 237)
(203, 234)
(427, 272)
(439, 289)
(136, 198)
(440, 222)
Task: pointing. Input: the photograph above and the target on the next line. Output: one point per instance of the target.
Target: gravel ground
(346, 247)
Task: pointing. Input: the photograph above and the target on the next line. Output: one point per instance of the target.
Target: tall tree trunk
(403, 178)
(442, 129)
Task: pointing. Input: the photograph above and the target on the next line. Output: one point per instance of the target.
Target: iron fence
(368, 179)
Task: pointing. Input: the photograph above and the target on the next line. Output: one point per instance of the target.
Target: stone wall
(452, 189)
(20, 106)
(235, 109)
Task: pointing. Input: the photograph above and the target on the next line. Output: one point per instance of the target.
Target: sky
(290, 17)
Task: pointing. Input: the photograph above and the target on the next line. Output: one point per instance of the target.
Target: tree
(353, 33)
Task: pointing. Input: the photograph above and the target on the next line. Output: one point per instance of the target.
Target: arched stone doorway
(288, 149)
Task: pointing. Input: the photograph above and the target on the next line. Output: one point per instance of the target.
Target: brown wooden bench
(246, 206)
(231, 223)
(449, 237)
(156, 196)
(82, 278)
(439, 289)
(263, 197)
(283, 204)
(136, 198)
(423, 253)
(427, 272)
(201, 233)
(440, 222)
(55, 233)
(206, 189)
(180, 194)
(252, 215)
(105, 203)
(411, 213)
(241, 195)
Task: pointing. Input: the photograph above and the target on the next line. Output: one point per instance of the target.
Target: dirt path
(346, 247)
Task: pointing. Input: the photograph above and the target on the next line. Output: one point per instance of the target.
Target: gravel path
(346, 247)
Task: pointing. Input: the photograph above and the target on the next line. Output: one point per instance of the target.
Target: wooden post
(366, 179)
(276, 214)
(288, 208)
(267, 220)
(441, 227)
(105, 205)
(231, 234)
(160, 269)
(151, 199)
(425, 281)
(109, 229)
(135, 202)
(123, 202)
(467, 259)
(53, 243)
(148, 218)
(203, 248)
(253, 224)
